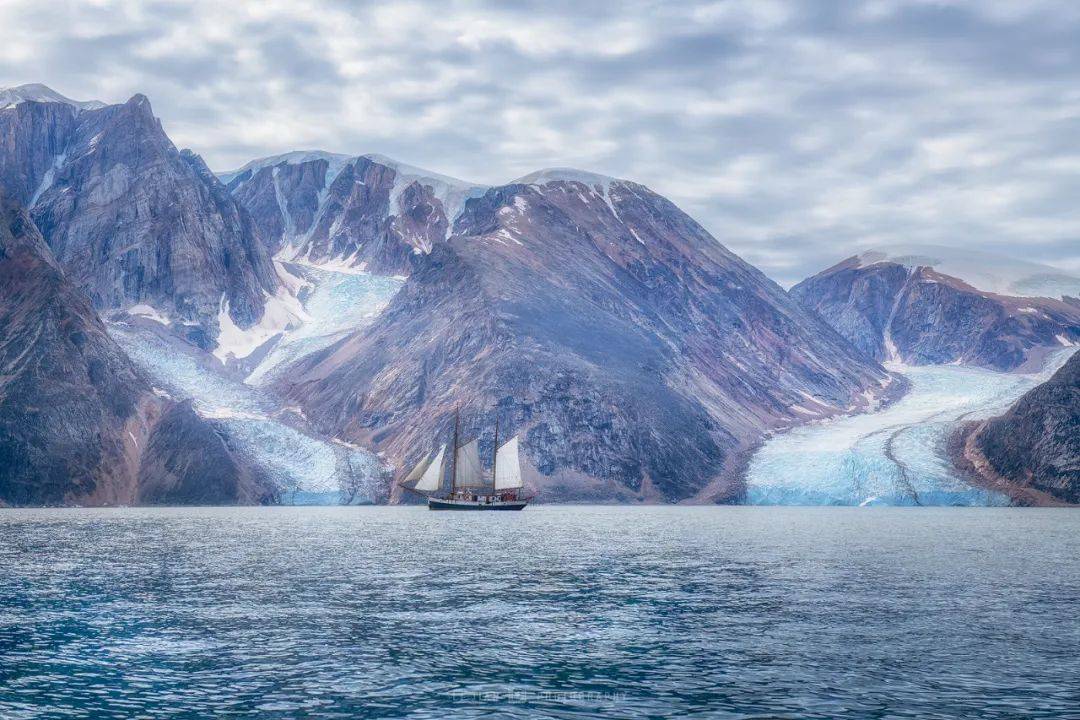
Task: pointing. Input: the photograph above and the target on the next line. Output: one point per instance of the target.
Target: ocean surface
(561, 612)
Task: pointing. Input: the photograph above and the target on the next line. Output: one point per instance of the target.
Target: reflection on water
(553, 612)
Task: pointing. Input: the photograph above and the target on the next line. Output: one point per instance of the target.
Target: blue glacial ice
(895, 456)
(339, 303)
(278, 438)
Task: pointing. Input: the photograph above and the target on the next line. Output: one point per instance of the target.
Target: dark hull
(439, 504)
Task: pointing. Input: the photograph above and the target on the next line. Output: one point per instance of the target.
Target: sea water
(554, 612)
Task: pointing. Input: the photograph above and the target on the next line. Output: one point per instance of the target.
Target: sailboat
(469, 490)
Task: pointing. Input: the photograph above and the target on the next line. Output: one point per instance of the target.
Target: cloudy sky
(796, 132)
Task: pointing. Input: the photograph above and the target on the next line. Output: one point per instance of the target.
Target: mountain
(637, 357)
(1033, 450)
(366, 212)
(79, 424)
(136, 223)
(903, 306)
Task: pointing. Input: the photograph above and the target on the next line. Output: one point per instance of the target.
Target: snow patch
(1065, 341)
(47, 179)
(563, 174)
(291, 282)
(338, 303)
(281, 312)
(336, 161)
(150, 313)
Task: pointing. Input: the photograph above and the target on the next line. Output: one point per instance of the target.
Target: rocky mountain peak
(905, 306)
(79, 423)
(132, 220)
(365, 211)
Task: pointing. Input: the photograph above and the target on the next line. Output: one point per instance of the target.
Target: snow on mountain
(986, 271)
(36, 92)
(365, 212)
(295, 157)
(562, 174)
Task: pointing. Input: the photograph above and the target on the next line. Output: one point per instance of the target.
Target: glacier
(305, 464)
(895, 456)
(338, 303)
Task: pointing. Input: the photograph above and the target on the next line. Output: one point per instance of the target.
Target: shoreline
(962, 451)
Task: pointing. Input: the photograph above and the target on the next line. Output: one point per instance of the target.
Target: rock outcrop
(1034, 448)
(637, 358)
(899, 311)
(79, 424)
(366, 212)
(133, 221)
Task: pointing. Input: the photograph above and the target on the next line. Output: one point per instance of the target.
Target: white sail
(418, 471)
(469, 472)
(508, 466)
(432, 474)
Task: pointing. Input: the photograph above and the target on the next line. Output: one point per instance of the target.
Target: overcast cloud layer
(796, 132)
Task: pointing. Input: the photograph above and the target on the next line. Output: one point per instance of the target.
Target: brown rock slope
(1032, 452)
(636, 356)
(132, 220)
(912, 313)
(79, 424)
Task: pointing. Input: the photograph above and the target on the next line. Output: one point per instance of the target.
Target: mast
(453, 475)
(495, 456)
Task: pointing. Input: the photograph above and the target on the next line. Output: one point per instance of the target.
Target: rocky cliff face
(1036, 444)
(366, 212)
(636, 356)
(133, 221)
(913, 313)
(78, 423)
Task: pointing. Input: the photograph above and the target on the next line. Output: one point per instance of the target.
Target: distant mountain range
(638, 358)
(905, 307)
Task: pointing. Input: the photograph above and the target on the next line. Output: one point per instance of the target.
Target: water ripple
(562, 612)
